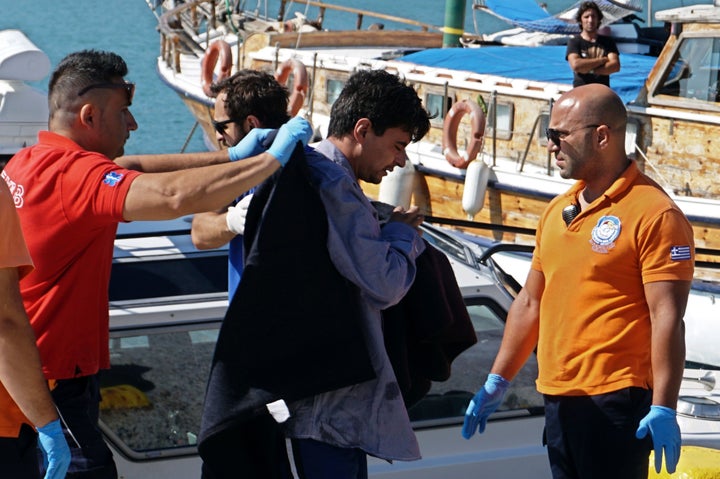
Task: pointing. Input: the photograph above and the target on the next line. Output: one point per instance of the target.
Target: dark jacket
(293, 328)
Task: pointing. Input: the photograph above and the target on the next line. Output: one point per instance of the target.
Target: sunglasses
(221, 126)
(556, 136)
(127, 86)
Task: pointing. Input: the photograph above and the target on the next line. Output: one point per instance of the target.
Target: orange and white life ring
(450, 129)
(218, 50)
(300, 83)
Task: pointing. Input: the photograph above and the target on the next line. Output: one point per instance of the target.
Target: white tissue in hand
(235, 217)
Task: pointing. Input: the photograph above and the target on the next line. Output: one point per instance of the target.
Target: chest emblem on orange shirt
(604, 234)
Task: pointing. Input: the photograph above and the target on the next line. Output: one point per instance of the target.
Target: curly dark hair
(384, 99)
(585, 6)
(252, 92)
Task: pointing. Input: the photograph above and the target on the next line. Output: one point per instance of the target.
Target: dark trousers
(318, 460)
(252, 449)
(78, 400)
(19, 455)
(593, 437)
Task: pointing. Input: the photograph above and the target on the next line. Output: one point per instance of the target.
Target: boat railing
(360, 15)
(181, 26)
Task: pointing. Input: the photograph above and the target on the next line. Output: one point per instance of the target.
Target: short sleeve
(13, 251)
(666, 249)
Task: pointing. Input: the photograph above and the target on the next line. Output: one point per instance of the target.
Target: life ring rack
(450, 130)
(299, 86)
(218, 51)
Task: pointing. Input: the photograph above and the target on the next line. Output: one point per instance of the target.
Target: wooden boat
(485, 158)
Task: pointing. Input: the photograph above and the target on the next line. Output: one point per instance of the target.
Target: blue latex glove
(485, 402)
(665, 433)
(251, 145)
(55, 450)
(297, 129)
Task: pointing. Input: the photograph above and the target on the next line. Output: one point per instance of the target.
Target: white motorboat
(23, 108)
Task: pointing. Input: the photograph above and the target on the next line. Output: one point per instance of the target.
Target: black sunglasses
(127, 86)
(557, 135)
(221, 126)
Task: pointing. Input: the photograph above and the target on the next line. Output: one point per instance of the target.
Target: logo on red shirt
(113, 178)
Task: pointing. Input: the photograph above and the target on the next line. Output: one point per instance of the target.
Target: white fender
(476, 178)
(397, 187)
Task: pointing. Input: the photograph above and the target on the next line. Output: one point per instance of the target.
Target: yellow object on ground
(122, 396)
(695, 463)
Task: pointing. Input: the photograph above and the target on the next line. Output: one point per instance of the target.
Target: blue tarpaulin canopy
(527, 14)
(545, 64)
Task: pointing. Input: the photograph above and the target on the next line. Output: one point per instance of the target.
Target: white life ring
(218, 50)
(450, 129)
(299, 88)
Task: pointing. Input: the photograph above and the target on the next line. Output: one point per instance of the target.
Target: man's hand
(297, 129)
(55, 451)
(251, 145)
(485, 402)
(411, 217)
(235, 217)
(662, 423)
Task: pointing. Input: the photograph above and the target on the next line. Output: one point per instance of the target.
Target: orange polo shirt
(595, 325)
(13, 254)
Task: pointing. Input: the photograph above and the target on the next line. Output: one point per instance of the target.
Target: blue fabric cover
(545, 64)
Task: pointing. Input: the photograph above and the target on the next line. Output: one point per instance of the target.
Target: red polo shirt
(70, 202)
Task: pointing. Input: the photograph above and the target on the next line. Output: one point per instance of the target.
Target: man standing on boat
(603, 303)
(248, 99)
(592, 57)
(71, 195)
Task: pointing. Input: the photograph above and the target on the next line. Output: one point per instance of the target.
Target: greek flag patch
(679, 253)
(113, 178)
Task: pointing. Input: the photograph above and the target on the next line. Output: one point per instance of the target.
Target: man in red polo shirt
(71, 195)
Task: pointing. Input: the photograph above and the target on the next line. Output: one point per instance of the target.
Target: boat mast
(454, 23)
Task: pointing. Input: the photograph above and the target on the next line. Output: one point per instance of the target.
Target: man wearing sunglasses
(247, 100)
(603, 303)
(71, 190)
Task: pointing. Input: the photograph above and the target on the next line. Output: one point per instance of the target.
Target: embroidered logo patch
(679, 253)
(113, 178)
(604, 234)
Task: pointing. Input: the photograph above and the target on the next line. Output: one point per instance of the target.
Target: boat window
(434, 105)
(152, 395)
(333, 89)
(504, 118)
(447, 401)
(694, 72)
(543, 124)
(142, 279)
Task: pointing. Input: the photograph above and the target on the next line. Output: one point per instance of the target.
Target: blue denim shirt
(381, 263)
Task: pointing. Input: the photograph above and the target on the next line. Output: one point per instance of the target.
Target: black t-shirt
(599, 48)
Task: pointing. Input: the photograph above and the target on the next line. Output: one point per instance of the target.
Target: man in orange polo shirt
(603, 302)
(24, 396)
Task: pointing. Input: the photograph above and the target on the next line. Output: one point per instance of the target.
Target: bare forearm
(585, 65)
(519, 339)
(20, 369)
(668, 362)
(163, 196)
(172, 162)
(209, 230)
(666, 302)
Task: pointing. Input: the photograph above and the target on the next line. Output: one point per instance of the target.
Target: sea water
(128, 27)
